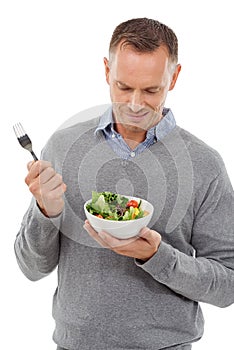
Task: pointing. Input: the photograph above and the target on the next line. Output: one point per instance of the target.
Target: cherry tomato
(99, 216)
(132, 203)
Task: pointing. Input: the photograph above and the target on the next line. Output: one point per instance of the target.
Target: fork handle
(34, 155)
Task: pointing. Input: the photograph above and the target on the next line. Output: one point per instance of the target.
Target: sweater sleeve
(208, 276)
(37, 243)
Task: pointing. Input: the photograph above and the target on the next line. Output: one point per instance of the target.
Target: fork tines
(24, 139)
(19, 130)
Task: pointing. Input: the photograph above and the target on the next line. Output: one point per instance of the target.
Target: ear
(175, 76)
(107, 69)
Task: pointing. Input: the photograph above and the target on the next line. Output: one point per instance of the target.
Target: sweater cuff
(48, 222)
(161, 263)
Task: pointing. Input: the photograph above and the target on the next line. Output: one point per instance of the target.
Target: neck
(132, 135)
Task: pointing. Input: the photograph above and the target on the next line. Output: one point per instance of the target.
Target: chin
(135, 127)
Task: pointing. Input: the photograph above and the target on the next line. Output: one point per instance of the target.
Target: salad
(113, 206)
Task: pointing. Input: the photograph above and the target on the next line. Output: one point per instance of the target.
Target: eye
(123, 88)
(152, 91)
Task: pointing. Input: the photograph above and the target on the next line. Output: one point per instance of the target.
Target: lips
(136, 117)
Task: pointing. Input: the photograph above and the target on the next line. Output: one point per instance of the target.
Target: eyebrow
(146, 88)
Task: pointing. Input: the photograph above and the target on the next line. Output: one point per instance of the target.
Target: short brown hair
(145, 35)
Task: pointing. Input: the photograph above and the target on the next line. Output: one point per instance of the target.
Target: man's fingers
(47, 187)
(47, 174)
(54, 188)
(143, 246)
(107, 240)
(114, 242)
(53, 182)
(35, 168)
(94, 234)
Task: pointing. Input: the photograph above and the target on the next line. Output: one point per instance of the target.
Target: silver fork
(24, 139)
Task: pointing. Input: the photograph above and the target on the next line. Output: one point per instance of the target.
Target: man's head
(144, 35)
(141, 69)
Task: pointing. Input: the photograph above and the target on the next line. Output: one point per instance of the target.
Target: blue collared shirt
(120, 147)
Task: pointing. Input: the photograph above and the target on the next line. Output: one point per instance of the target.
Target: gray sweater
(106, 301)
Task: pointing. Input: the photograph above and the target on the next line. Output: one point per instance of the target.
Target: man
(140, 293)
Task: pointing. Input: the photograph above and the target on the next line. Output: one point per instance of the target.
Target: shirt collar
(166, 124)
(105, 120)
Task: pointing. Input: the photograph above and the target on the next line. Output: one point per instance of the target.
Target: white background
(51, 68)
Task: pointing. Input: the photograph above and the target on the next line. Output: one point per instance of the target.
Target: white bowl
(121, 229)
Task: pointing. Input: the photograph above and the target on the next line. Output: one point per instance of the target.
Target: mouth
(136, 118)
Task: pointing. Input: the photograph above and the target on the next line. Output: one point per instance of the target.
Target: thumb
(64, 187)
(29, 165)
(150, 235)
(145, 233)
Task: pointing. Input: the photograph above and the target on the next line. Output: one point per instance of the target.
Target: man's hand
(142, 247)
(46, 186)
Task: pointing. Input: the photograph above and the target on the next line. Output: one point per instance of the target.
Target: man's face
(139, 83)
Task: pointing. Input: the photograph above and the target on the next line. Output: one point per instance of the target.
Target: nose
(135, 103)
